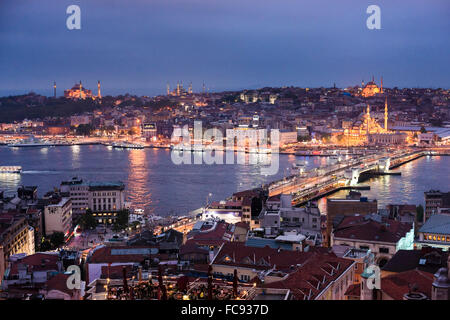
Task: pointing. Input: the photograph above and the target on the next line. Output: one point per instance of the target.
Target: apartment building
(16, 236)
(58, 216)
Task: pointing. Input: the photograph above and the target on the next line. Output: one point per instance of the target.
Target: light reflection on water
(417, 177)
(155, 183)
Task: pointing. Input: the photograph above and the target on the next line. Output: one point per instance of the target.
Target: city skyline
(261, 44)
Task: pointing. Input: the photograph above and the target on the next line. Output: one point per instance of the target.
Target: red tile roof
(103, 255)
(246, 194)
(59, 282)
(239, 255)
(354, 290)
(309, 280)
(359, 228)
(36, 262)
(398, 284)
(220, 234)
(116, 271)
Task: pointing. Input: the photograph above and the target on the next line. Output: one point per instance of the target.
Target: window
(384, 250)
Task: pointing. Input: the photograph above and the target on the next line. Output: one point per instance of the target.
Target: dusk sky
(139, 46)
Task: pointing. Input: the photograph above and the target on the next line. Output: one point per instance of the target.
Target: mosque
(79, 92)
(179, 90)
(371, 132)
(371, 88)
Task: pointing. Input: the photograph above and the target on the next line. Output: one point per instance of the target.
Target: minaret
(178, 88)
(168, 89)
(368, 118)
(381, 89)
(54, 89)
(190, 88)
(386, 115)
(362, 84)
(81, 88)
(99, 95)
(204, 88)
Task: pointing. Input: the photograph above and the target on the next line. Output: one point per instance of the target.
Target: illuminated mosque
(371, 132)
(371, 88)
(179, 90)
(79, 92)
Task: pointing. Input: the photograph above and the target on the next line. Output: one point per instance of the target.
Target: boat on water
(126, 145)
(10, 169)
(31, 142)
(298, 167)
(259, 150)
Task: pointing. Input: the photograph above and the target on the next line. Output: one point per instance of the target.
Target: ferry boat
(32, 142)
(10, 169)
(127, 145)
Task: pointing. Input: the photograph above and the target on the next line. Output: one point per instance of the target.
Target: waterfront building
(287, 137)
(104, 199)
(149, 130)
(384, 237)
(436, 202)
(435, 232)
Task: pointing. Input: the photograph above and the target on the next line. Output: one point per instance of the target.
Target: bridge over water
(319, 182)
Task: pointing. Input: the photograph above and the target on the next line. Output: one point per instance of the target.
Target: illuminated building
(104, 199)
(149, 130)
(99, 95)
(16, 236)
(371, 88)
(371, 132)
(179, 90)
(58, 216)
(79, 92)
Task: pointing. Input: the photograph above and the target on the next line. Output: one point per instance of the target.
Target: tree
(57, 239)
(121, 220)
(132, 131)
(45, 245)
(84, 129)
(88, 221)
(423, 130)
(419, 213)
(304, 138)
